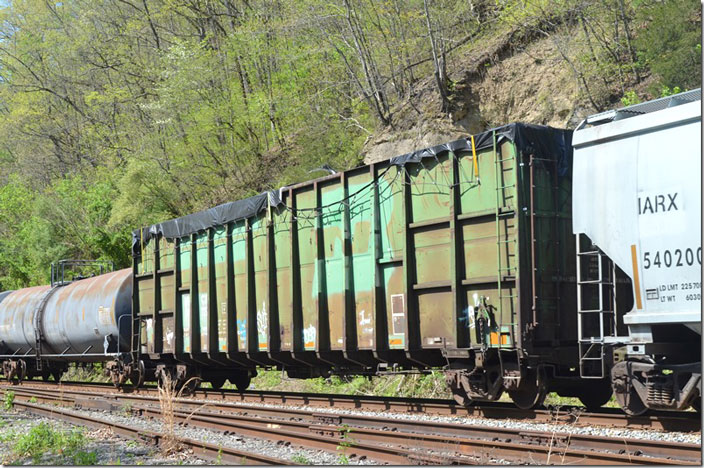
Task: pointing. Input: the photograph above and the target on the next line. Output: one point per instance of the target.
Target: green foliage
(431, 385)
(666, 91)
(85, 458)
(630, 98)
(9, 401)
(670, 45)
(43, 440)
(120, 114)
(345, 443)
(300, 459)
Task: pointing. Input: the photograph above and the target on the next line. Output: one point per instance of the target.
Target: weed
(218, 461)
(43, 439)
(167, 395)
(85, 458)
(344, 444)
(9, 399)
(33, 400)
(430, 385)
(167, 403)
(300, 459)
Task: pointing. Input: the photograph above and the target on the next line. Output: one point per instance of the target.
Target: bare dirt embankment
(503, 79)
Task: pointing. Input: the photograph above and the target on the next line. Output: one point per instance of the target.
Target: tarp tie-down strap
(474, 158)
(529, 139)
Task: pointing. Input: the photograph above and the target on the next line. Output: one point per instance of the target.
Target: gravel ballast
(283, 451)
(108, 448)
(114, 449)
(558, 427)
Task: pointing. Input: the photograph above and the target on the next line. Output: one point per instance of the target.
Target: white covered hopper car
(637, 215)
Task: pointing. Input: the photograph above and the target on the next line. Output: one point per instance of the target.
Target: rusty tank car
(459, 256)
(44, 328)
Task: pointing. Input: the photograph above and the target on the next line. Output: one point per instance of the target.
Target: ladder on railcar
(37, 322)
(596, 306)
(505, 210)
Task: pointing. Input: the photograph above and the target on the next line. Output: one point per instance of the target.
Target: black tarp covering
(196, 222)
(529, 139)
(538, 140)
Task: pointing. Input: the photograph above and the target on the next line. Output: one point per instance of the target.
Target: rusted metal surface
(366, 434)
(223, 399)
(405, 266)
(77, 320)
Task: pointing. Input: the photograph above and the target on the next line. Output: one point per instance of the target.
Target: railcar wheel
(241, 382)
(630, 402)
(461, 397)
(596, 396)
(530, 393)
(217, 383)
(697, 404)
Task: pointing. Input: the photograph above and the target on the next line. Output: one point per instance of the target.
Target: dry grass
(168, 394)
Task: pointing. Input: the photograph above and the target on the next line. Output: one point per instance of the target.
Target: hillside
(119, 114)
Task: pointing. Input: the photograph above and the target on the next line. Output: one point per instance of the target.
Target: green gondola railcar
(460, 256)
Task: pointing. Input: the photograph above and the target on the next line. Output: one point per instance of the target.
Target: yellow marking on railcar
(474, 158)
(636, 276)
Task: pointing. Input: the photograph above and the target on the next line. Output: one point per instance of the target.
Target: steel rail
(269, 430)
(607, 417)
(201, 449)
(476, 442)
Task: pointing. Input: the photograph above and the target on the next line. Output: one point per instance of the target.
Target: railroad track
(382, 439)
(199, 448)
(607, 417)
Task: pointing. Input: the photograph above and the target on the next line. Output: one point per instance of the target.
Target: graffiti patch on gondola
(150, 334)
(186, 322)
(309, 335)
(222, 326)
(363, 320)
(242, 333)
(203, 319)
(262, 326)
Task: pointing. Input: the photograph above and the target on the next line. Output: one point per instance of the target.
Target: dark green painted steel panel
(261, 281)
(426, 256)
(307, 249)
(363, 256)
(203, 300)
(239, 253)
(333, 285)
(220, 251)
(281, 218)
